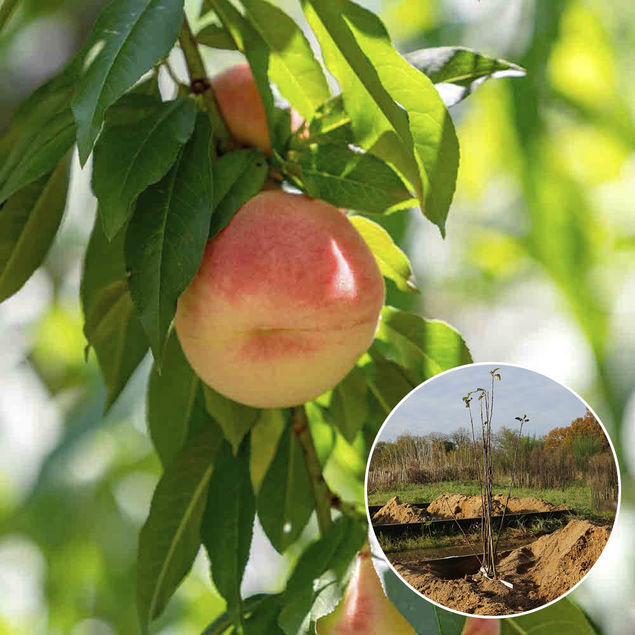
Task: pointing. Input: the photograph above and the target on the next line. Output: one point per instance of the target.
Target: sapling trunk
(485, 471)
(467, 400)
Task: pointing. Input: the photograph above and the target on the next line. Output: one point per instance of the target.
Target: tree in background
(582, 428)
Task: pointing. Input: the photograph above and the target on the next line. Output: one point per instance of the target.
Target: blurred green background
(538, 269)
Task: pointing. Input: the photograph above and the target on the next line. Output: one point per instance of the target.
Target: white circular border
(501, 365)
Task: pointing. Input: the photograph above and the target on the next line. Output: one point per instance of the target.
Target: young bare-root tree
(482, 459)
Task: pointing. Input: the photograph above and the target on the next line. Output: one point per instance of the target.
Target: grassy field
(577, 495)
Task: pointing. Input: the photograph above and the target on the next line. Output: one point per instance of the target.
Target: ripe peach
(364, 607)
(285, 301)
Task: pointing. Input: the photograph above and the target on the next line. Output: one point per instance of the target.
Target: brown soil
(394, 511)
(470, 506)
(540, 572)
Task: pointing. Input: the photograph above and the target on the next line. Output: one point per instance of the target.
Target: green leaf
(176, 405)
(147, 86)
(265, 436)
(216, 36)
(170, 537)
(28, 223)
(251, 605)
(457, 71)
(281, 132)
(353, 69)
(349, 404)
(393, 263)
(348, 179)
(407, 350)
(285, 501)
(128, 39)
(387, 383)
(317, 582)
(293, 67)
(238, 176)
(228, 522)
(131, 108)
(111, 326)
(330, 124)
(395, 110)
(250, 43)
(111, 329)
(234, 418)
(167, 234)
(564, 617)
(422, 347)
(41, 133)
(130, 157)
(424, 616)
(321, 428)
(264, 618)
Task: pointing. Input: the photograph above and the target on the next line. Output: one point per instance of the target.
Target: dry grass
(439, 458)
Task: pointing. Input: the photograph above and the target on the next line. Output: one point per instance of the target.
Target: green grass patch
(391, 544)
(530, 531)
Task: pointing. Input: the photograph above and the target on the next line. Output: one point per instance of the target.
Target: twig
(321, 493)
(200, 85)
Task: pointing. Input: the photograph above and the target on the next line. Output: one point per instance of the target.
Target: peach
(364, 607)
(285, 301)
(481, 626)
(240, 105)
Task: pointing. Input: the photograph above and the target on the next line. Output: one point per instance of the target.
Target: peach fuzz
(285, 301)
(364, 607)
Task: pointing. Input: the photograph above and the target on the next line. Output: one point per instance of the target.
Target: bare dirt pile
(540, 572)
(470, 506)
(394, 511)
(559, 560)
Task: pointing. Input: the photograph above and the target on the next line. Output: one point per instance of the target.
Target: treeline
(578, 451)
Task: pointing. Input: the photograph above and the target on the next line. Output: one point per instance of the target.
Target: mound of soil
(540, 572)
(559, 560)
(470, 506)
(394, 511)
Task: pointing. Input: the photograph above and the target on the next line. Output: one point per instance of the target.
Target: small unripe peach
(364, 607)
(285, 301)
(241, 106)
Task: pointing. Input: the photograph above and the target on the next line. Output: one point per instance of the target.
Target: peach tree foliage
(165, 183)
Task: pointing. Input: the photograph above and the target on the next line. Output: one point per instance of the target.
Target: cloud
(438, 407)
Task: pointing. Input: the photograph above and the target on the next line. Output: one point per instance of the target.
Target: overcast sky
(437, 406)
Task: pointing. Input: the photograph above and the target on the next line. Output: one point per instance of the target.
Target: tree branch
(200, 85)
(321, 493)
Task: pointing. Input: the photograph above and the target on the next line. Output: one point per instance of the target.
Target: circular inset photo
(492, 489)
